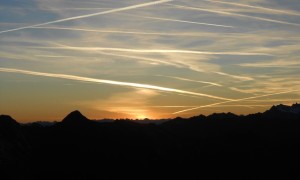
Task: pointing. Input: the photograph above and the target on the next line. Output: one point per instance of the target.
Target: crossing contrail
(235, 100)
(235, 14)
(131, 57)
(89, 15)
(181, 21)
(140, 58)
(257, 7)
(104, 81)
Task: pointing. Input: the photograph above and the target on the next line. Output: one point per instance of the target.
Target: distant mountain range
(76, 116)
(219, 146)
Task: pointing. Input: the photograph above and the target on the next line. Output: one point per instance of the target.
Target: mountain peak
(75, 117)
(7, 120)
(8, 125)
(295, 108)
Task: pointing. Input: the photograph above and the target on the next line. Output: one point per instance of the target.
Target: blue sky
(155, 59)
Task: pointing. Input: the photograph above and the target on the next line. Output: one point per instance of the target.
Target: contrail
(235, 100)
(119, 83)
(130, 31)
(182, 21)
(235, 105)
(185, 79)
(156, 51)
(117, 55)
(52, 9)
(59, 9)
(131, 57)
(275, 100)
(140, 58)
(90, 15)
(235, 14)
(122, 31)
(244, 78)
(257, 7)
(52, 56)
(242, 105)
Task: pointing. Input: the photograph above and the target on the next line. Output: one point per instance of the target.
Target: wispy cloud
(90, 15)
(119, 83)
(252, 57)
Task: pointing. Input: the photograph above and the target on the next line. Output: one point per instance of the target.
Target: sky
(147, 59)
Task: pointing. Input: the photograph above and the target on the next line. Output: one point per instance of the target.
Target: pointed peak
(7, 117)
(76, 112)
(74, 117)
(7, 120)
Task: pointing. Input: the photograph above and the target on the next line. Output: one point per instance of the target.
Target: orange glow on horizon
(141, 116)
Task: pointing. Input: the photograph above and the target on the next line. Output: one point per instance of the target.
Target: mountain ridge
(190, 148)
(76, 117)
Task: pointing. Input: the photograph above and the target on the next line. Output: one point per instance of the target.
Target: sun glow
(141, 116)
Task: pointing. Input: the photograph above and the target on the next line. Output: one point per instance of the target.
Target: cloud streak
(119, 83)
(90, 15)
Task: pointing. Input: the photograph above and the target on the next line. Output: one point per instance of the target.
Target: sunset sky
(142, 58)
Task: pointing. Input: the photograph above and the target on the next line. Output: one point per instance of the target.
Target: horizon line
(146, 118)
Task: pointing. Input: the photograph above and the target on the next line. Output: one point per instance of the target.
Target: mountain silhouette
(75, 117)
(6, 121)
(9, 127)
(14, 147)
(75, 121)
(294, 109)
(218, 146)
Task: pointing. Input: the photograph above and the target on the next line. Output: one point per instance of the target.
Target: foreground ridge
(264, 145)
